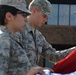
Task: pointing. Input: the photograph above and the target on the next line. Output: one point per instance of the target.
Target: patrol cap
(44, 5)
(18, 4)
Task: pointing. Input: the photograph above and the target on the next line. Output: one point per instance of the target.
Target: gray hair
(33, 5)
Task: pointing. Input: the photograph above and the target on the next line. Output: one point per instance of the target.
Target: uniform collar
(29, 28)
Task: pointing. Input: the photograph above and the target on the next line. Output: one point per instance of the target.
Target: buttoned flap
(39, 41)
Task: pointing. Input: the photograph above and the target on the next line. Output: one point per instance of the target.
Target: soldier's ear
(34, 10)
(8, 16)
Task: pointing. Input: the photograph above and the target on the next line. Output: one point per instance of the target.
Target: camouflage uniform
(13, 58)
(18, 4)
(37, 45)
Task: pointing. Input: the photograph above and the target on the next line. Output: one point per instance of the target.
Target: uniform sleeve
(4, 55)
(52, 54)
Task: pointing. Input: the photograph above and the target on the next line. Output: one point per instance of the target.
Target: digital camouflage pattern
(38, 46)
(19, 4)
(44, 5)
(13, 58)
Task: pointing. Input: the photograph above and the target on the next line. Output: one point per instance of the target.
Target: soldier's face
(20, 20)
(17, 22)
(39, 18)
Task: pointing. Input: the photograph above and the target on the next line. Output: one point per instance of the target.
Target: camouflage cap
(45, 6)
(19, 4)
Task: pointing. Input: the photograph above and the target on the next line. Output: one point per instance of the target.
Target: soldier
(33, 41)
(13, 18)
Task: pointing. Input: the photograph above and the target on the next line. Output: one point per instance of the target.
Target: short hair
(3, 10)
(32, 5)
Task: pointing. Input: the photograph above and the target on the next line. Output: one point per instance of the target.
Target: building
(63, 13)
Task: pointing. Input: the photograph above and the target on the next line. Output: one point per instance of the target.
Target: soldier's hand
(35, 70)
